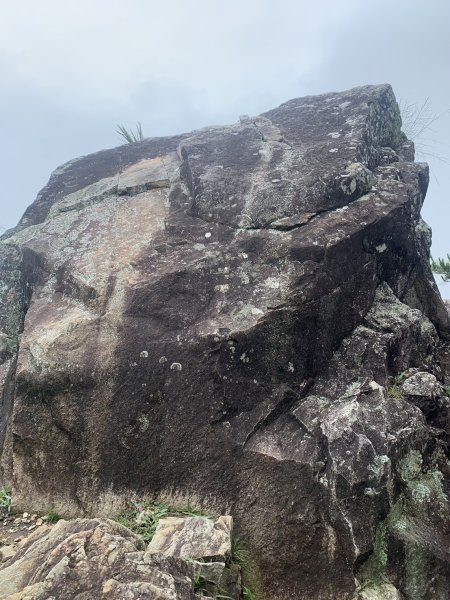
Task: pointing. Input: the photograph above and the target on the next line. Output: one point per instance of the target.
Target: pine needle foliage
(442, 267)
(130, 136)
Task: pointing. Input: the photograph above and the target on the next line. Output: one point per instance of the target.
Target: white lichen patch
(144, 354)
(176, 366)
(334, 134)
(272, 282)
(222, 288)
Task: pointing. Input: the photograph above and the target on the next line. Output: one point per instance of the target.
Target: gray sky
(70, 70)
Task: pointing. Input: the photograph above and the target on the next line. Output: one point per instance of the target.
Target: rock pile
(95, 558)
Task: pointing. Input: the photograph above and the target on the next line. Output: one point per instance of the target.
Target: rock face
(223, 318)
(100, 559)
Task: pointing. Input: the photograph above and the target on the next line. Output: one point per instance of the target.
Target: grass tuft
(5, 500)
(130, 136)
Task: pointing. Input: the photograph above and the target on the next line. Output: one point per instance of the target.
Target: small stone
(25, 515)
(17, 540)
(7, 552)
(39, 522)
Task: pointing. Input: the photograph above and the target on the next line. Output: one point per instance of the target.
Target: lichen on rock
(222, 316)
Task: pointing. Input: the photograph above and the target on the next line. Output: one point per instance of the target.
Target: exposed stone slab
(193, 537)
(92, 559)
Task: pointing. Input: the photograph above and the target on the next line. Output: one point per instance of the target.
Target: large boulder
(217, 319)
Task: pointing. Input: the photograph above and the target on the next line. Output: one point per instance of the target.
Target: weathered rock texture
(93, 559)
(223, 318)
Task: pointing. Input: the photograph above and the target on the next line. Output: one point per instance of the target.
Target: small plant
(53, 517)
(5, 500)
(144, 517)
(395, 390)
(247, 594)
(417, 123)
(129, 135)
(442, 267)
(239, 555)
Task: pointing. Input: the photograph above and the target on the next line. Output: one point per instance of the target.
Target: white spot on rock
(257, 311)
(162, 360)
(276, 180)
(291, 367)
(223, 288)
(381, 248)
(208, 234)
(272, 283)
(176, 366)
(333, 150)
(144, 354)
(334, 134)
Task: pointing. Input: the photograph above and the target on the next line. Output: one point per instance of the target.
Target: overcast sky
(70, 70)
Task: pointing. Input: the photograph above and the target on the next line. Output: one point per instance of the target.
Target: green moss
(422, 501)
(416, 580)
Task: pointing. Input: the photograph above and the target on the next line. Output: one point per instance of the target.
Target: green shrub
(5, 500)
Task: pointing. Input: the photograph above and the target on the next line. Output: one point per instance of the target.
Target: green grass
(247, 594)
(5, 500)
(130, 136)
(53, 517)
(143, 517)
(395, 390)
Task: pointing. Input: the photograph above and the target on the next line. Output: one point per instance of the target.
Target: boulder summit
(242, 319)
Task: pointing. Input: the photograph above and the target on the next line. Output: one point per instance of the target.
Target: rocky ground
(15, 529)
(188, 557)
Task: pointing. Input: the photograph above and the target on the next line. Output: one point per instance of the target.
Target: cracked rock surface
(225, 318)
(91, 559)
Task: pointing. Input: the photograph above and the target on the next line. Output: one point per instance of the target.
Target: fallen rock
(425, 391)
(193, 537)
(7, 552)
(424, 385)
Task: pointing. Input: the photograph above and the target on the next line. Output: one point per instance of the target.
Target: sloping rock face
(223, 318)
